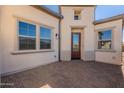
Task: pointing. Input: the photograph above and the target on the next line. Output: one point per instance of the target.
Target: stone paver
(74, 74)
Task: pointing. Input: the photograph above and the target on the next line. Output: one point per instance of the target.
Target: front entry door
(75, 51)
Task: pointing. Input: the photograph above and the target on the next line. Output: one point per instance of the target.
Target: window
(45, 38)
(27, 36)
(105, 39)
(77, 15)
(29, 40)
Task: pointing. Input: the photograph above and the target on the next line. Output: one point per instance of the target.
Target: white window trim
(26, 36)
(37, 50)
(112, 39)
(52, 35)
(28, 22)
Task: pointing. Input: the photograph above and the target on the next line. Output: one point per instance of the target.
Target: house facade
(21, 28)
(72, 27)
(31, 36)
(99, 41)
(114, 54)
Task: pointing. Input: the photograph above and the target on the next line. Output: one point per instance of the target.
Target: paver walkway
(74, 74)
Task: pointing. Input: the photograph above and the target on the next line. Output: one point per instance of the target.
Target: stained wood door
(75, 45)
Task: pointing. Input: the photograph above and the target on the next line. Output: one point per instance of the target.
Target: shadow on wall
(123, 47)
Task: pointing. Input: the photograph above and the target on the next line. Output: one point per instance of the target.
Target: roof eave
(48, 11)
(121, 16)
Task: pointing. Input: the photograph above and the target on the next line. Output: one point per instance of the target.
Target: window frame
(18, 35)
(52, 33)
(37, 49)
(79, 15)
(97, 39)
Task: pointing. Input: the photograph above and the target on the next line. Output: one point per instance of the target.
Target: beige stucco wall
(114, 56)
(86, 22)
(0, 44)
(18, 62)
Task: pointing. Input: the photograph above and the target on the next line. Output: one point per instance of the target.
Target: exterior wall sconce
(57, 36)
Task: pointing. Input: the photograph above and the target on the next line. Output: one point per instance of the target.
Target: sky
(53, 7)
(101, 12)
(105, 11)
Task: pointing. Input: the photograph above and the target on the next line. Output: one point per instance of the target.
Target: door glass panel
(75, 42)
